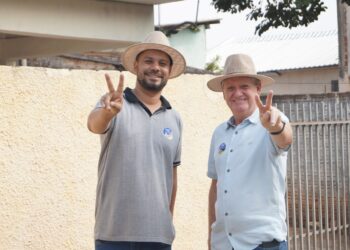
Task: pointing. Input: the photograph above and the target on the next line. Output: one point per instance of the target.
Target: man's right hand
(112, 103)
(113, 99)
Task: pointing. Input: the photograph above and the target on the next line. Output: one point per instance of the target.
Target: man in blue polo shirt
(247, 164)
(140, 152)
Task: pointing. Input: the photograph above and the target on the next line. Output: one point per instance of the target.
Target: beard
(150, 86)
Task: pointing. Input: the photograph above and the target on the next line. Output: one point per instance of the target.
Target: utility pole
(343, 77)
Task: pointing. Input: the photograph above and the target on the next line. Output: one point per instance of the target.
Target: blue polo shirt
(251, 171)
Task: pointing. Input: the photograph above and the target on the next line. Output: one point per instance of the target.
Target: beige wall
(48, 158)
(305, 81)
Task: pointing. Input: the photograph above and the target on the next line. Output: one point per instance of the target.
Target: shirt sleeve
(177, 159)
(211, 160)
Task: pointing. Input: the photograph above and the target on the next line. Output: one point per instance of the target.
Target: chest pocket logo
(168, 133)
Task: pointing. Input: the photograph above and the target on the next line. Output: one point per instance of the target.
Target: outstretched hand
(113, 99)
(270, 116)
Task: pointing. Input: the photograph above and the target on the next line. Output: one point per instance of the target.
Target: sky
(231, 25)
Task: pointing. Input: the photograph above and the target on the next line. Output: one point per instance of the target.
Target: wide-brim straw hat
(156, 40)
(238, 65)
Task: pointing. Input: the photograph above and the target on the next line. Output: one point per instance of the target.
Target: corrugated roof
(283, 51)
(170, 29)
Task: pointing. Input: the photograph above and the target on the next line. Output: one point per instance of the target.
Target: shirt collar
(131, 97)
(253, 118)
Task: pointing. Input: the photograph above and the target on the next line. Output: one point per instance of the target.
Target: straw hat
(238, 65)
(158, 41)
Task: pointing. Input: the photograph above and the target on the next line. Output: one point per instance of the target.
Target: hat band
(248, 73)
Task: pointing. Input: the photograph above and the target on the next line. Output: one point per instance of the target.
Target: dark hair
(170, 59)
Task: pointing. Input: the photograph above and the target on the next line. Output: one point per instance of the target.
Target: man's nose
(155, 66)
(236, 92)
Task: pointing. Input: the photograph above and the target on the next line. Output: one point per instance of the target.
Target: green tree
(213, 65)
(276, 13)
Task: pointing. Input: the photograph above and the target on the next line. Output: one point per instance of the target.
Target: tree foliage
(213, 65)
(276, 13)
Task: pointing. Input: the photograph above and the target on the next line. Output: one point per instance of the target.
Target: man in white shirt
(247, 164)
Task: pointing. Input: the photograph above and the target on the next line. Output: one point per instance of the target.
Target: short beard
(151, 86)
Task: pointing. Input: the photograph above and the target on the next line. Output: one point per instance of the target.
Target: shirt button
(228, 170)
(231, 150)
(225, 191)
(229, 234)
(226, 214)
(236, 132)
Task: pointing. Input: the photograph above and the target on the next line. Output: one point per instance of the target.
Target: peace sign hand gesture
(270, 117)
(113, 99)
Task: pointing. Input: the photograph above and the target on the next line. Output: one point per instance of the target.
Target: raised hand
(113, 99)
(270, 116)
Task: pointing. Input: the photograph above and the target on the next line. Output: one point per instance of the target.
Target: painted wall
(48, 158)
(191, 44)
(305, 81)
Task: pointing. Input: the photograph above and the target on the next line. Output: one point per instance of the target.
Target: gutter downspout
(342, 45)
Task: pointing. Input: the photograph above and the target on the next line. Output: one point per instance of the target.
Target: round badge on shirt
(168, 133)
(222, 147)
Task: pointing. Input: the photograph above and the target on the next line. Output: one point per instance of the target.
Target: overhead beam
(16, 48)
(144, 1)
(78, 19)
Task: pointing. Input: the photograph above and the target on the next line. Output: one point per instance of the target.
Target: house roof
(94, 60)
(170, 29)
(283, 51)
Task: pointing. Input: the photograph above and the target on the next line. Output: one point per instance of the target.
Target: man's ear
(222, 89)
(170, 68)
(135, 65)
(259, 88)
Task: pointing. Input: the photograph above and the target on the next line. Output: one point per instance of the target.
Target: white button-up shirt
(250, 170)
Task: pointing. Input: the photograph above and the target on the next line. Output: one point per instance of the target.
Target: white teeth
(153, 76)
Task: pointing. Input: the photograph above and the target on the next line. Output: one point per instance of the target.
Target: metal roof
(283, 51)
(148, 2)
(170, 29)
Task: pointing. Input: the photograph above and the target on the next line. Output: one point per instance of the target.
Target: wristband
(280, 131)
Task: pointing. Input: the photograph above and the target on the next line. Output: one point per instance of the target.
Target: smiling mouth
(239, 100)
(154, 77)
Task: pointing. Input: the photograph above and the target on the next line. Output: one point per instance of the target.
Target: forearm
(99, 120)
(282, 136)
(279, 130)
(174, 190)
(211, 207)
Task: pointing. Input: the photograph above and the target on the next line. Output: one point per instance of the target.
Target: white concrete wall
(48, 158)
